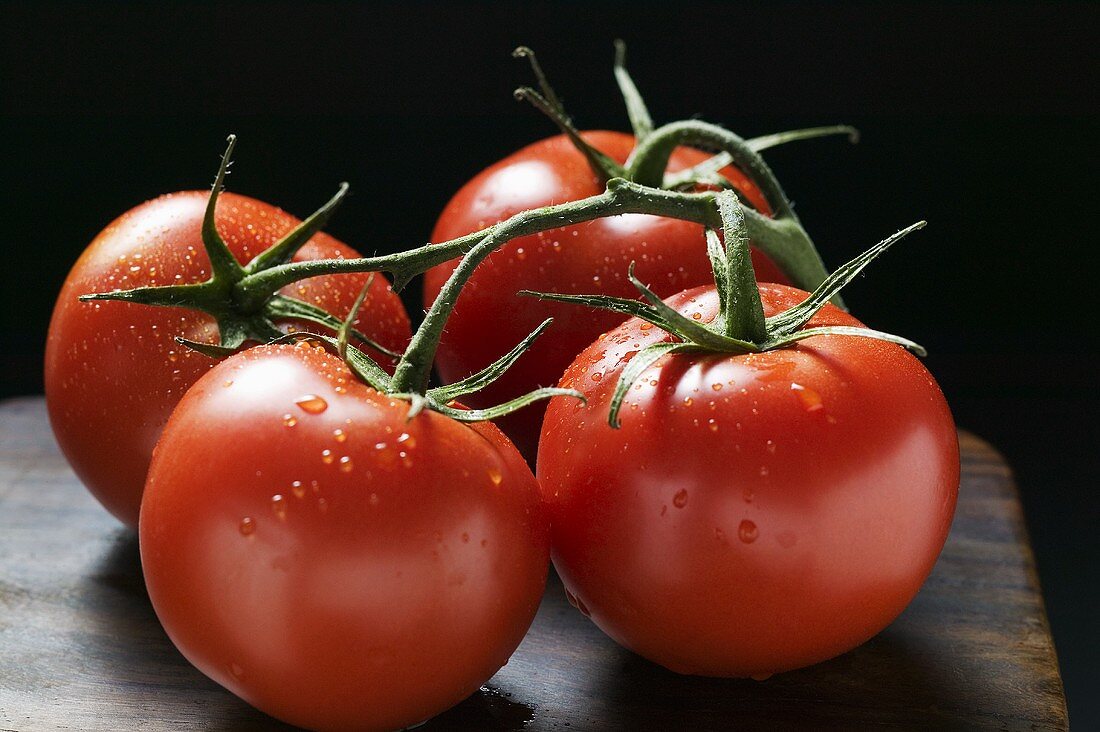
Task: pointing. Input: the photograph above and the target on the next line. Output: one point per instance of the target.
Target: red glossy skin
(755, 513)
(394, 578)
(113, 370)
(489, 319)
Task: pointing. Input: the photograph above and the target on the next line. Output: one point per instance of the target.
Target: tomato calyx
(549, 104)
(740, 327)
(777, 232)
(442, 399)
(241, 320)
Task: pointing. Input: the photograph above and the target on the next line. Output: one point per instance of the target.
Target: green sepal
(622, 305)
(550, 105)
(223, 265)
(281, 306)
(345, 328)
(792, 320)
(501, 410)
(640, 120)
(686, 328)
(707, 172)
(636, 367)
(481, 379)
(212, 350)
(284, 250)
(192, 296)
(847, 330)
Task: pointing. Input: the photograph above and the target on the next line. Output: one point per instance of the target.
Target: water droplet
(764, 472)
(346, 465)
(327, 457)
(688, 401)
(696, 316)
(747, 531)
(278, 505)
(339, 435)
(811, 400)
(495, 476)
(373, 500)
(298, 489)
(311, 404)
(680, 499)
(712, 425)
(597, 376)
(322, 505)
(465, 538)
(379, 446)
(228, 383)
(247, 527)
(771, 446)
(289, 419)
(407, 440)
(748, 495)
(716, 387)
(645, 326)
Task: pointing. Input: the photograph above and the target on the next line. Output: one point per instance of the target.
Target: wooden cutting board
(81, 649)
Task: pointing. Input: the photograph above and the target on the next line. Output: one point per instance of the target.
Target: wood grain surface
(80, 647)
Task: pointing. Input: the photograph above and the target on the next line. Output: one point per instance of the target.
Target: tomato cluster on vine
(734, 476)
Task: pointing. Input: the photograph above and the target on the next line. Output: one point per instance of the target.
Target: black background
(980, 117)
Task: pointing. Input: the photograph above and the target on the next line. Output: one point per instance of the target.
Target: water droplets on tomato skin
(680, 499)
(811, 400)
(747, 531)
(495, 476)
(278, 505)
(311, 404)
(289, 420)
(327, 457)
(247, 527)
(298, 489)
(339, 435)
(346, 465)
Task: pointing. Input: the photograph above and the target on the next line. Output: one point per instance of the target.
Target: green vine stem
(707, 171)
(740, 326)
(649, 160)
(620, 197)
(255, 293)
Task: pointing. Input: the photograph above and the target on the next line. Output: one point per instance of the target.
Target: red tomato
(113, 370)
(328, 560)
(590, 258)
(754, 513)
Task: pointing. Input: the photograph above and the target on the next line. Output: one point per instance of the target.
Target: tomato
(754, 513)
(328, 560)
(114, 371)
(588, 258)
